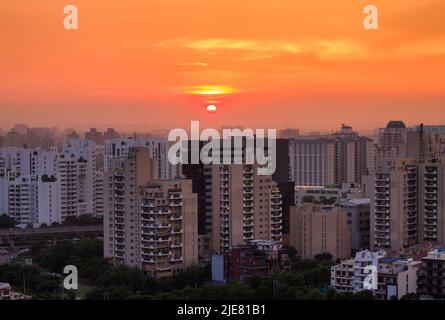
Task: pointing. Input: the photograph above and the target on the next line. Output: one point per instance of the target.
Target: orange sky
(140, 64)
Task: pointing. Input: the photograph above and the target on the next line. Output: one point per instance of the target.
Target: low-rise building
(6, 293)
(432, 279)
(6, 256)
(342, 276)
(365, 262)
(397, 278)
(257, 258)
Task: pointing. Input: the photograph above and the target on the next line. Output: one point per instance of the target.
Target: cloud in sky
(257, 49)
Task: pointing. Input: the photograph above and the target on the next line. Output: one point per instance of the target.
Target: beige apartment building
(393, 190)
(316, 229)
(245, 206)
(150, 224)
(432, 200)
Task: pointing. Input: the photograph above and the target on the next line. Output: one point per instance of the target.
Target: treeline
(309, 279)
(82, 220)
(7, 222)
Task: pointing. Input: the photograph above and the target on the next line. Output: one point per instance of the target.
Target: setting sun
(211, 108)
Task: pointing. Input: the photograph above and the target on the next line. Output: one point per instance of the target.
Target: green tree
(410, 296)
(7, 222)
(309, 294)
(364, 295)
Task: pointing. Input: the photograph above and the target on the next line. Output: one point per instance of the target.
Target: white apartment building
(394, 277)
(46, 186)
(22, 199)
(362, 260)
(349, 275)
(79, 159)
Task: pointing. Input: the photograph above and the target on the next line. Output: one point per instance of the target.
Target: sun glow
(210, 90)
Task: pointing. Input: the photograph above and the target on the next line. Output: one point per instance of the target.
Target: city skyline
(267, 65)
(225, 150)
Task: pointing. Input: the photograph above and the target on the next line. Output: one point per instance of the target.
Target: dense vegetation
(309, 279)
(82, 220)
(6, 222)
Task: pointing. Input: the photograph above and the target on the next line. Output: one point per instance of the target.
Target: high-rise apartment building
(236, 204)
(317, 229)
(149, 224)
(53, 185)
(76, 168)
(396, 140)
(393, 191)
(244, 206)
(330, 159)
(432, 200)
(119, 148)
(406, 192)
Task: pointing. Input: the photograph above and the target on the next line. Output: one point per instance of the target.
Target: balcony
(150, 232)
(176, 204)
(248, 224)
(147, 219)
(175, 259)
(162, 226)
(150, 247)
(151, 261)
(148, 205)
(173, 196)
(119, 208)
